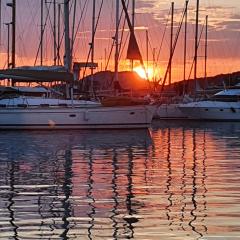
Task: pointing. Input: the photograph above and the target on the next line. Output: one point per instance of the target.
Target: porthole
(221, 110)
(132, 113)
(72, 115)
(206, 109)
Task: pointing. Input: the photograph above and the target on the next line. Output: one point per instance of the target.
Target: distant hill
(127, 80)
(218, 81)
(131, 81)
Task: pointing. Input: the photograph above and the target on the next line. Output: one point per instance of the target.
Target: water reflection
(11, 201)
(179, 182)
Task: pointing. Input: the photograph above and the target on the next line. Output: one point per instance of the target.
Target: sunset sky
(151, 15)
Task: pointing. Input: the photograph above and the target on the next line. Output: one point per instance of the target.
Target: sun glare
(141, 72)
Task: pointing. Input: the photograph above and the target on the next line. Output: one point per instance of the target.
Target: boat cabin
(228, 95)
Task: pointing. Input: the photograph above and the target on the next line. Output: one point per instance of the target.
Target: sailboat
(168, 105)
(24, 112)
(171, 109)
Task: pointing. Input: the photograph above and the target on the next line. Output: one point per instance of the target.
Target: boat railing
(43, 106)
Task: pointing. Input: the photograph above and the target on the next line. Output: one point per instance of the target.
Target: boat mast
(67, 56)
(41, 37)
(0, 23)
(185, 48)
(58, 37)
(13, 23)
(68, 60)
(133, 24)
(13, 33)
(8, 45)
(93, 42)
(137, 54)
(171, 45)
(196, 50)
(54, 33)
(73, 25)
(117, 41)
(174, 47)
(154, 67)
(206, 53)
(133, 13)
(147, 51)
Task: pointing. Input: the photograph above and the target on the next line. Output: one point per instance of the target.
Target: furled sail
(35, 75)
(133, 52)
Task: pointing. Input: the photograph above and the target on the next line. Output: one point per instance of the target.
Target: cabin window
(132, 113)
(221, 110)
(72, 115)
(206, 109)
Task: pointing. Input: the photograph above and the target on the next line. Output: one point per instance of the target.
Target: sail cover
(35, 75)
(133, 49)
(133, 52)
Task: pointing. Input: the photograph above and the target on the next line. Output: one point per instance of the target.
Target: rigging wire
(199, 41)
(110, 43)
(94, 33)
(44, 27)
(121, 39)
(80, 20)
(84, 32)
(73, 27)
(0, 23)
(24, 26)
(121, 47)
(51, 25)
(174, 47)
(163, 37)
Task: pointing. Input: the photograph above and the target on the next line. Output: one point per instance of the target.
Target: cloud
(148, 4)
(159, 11)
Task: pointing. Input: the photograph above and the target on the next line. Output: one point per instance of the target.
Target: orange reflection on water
(180, 182)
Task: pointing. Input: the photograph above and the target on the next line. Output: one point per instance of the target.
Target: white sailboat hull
(76, 118)
(169, 111)
(210, 110)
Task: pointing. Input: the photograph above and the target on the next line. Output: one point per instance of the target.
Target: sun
(141, 72)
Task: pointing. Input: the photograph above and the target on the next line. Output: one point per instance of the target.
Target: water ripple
(179, 181)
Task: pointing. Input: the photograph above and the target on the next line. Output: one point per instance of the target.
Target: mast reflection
(90, 196)
(184, 181)
(184, 152)
(130, 219)
(11, 202)
(67, 191)
(115, 194)
(193, 212)
(127, 184)
(169, 180)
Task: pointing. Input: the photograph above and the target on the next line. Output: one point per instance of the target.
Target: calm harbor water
(180, 180)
